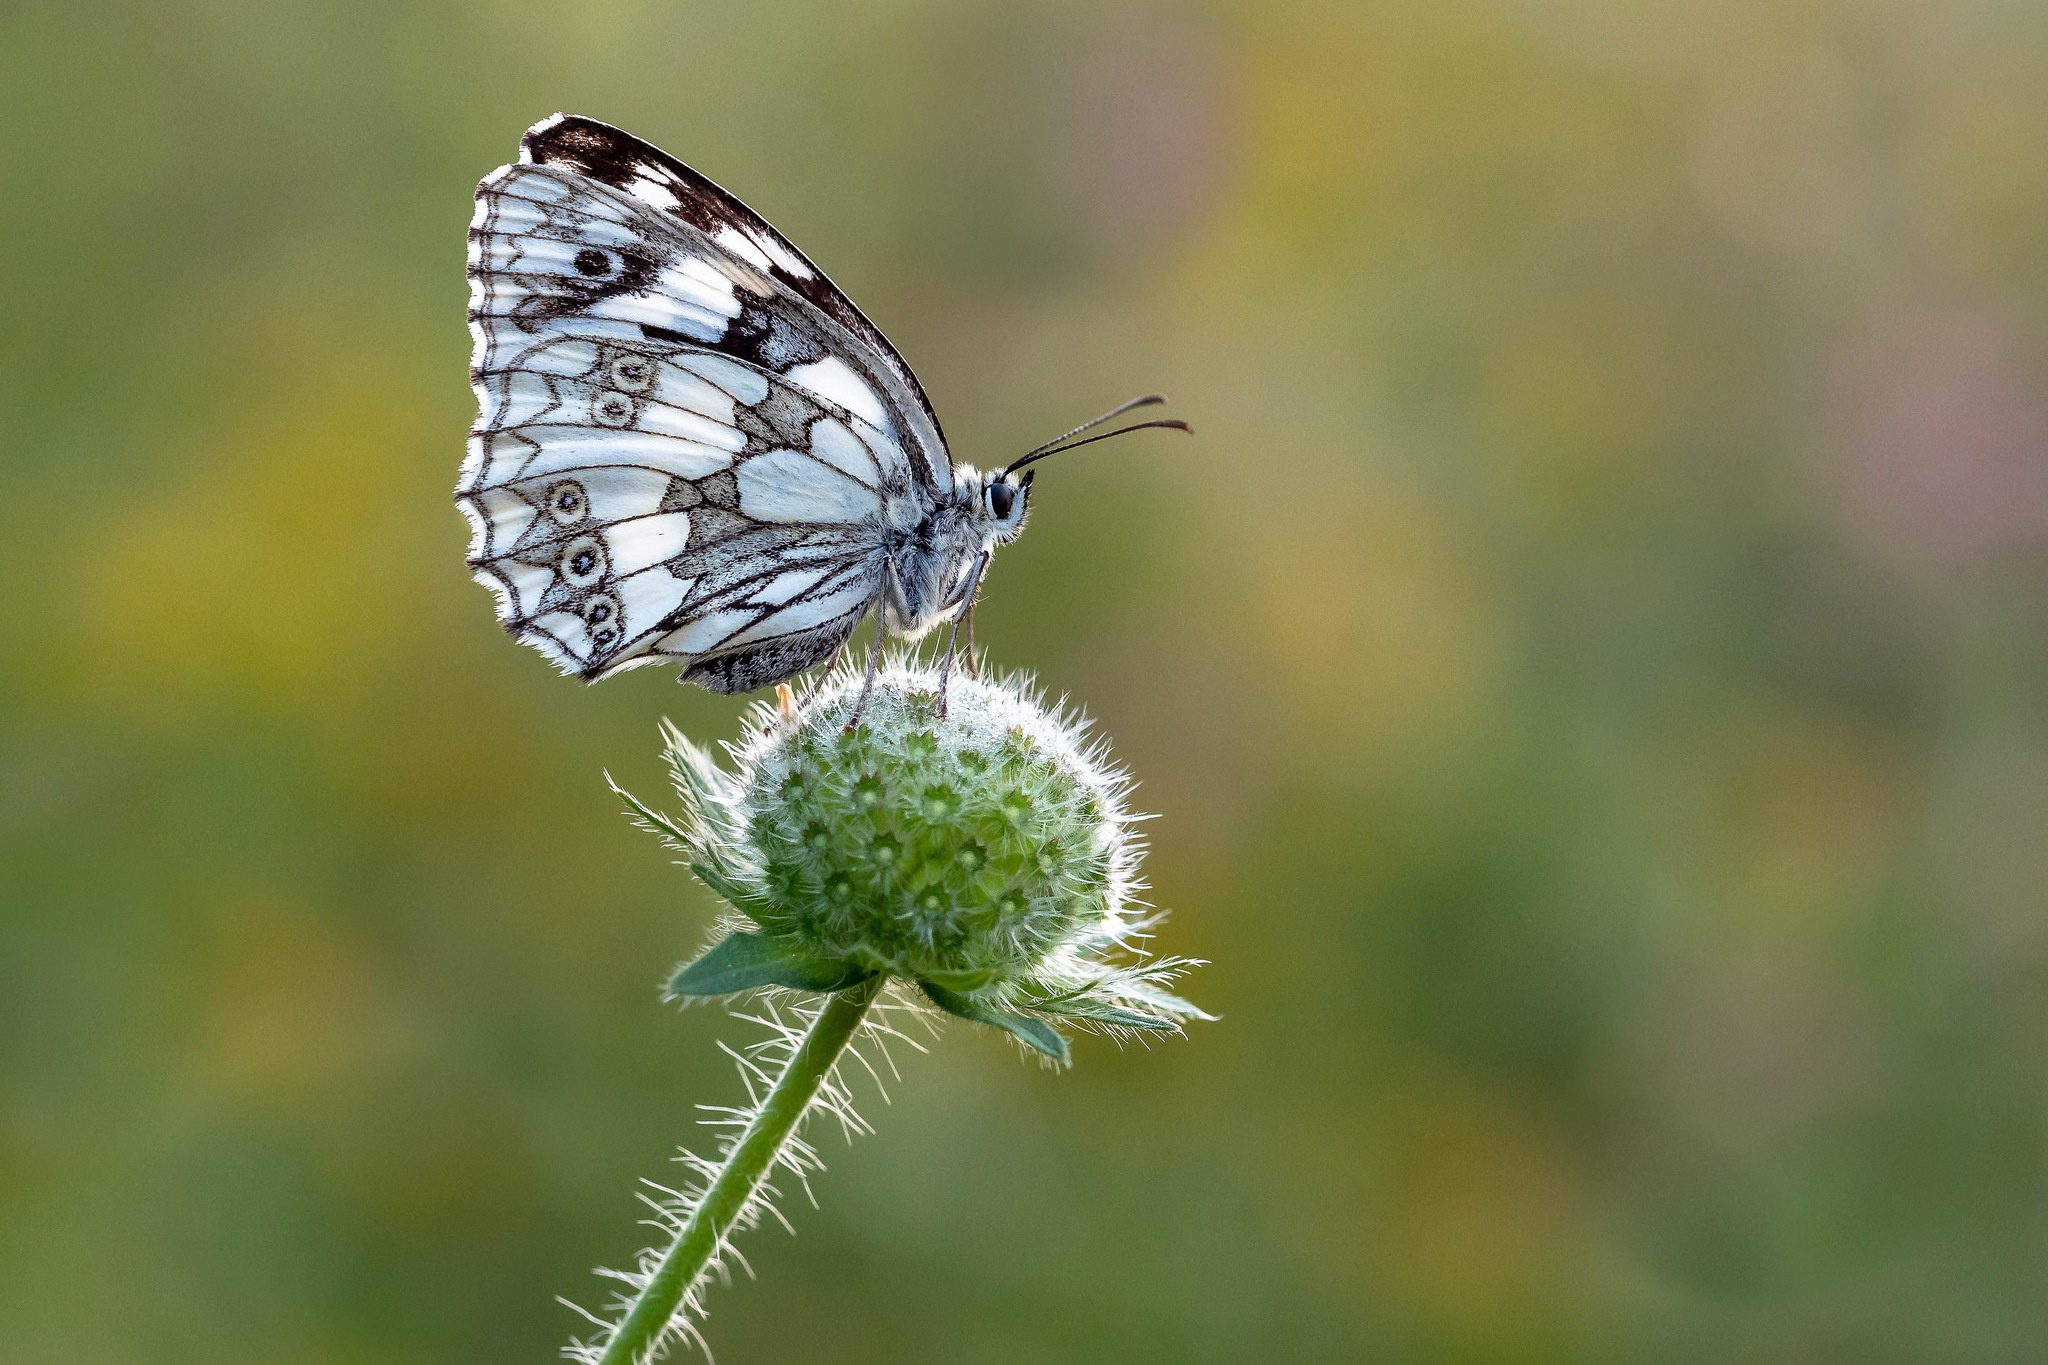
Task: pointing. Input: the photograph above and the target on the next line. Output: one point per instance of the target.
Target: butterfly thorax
(935, 566)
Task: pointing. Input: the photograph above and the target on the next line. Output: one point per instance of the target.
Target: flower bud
(959, 851)
(984, 854)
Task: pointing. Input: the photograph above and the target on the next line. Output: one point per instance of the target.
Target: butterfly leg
(946, 668)
(973, 654)
(831, 665)
(867, 684)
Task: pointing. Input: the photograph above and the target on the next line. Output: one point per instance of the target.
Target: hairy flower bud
(959, 851)
(985, 855)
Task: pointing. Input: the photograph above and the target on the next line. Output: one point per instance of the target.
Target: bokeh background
(1590, 667)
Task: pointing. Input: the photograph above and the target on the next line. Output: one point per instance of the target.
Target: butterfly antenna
(1143, 401)
(1164, 423)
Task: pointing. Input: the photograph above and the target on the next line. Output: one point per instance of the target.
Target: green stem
(746, 1166)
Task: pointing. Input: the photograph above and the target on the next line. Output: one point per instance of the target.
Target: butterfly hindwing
(640, 500)
(608, 566)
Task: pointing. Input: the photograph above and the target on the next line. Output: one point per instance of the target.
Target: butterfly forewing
(618, 159)
(680, 454)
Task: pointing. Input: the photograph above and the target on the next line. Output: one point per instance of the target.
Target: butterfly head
(1003, 502)
(989, 505)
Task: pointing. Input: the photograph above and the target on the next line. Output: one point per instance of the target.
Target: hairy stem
(745, 1167)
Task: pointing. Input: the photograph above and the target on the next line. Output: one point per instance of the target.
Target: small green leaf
(649, 818)
(1146, 995)
(962, 983)
(1036, 1032)
(723, 885)
(704, 852)
(1106, 1012)
(741, 961)
(698, 778)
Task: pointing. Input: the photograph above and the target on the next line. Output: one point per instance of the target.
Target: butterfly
(690, 446)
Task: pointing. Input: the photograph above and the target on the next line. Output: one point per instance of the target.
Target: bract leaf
(722, 883)
(742, 961)
(1034, 1032)
(1107, 1012)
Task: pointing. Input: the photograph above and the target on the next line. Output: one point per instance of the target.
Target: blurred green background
(1590, 666)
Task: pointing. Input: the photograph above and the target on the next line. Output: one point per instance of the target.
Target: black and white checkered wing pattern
(677, 456)
(803, 327)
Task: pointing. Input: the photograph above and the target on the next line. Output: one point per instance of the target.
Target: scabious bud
(985, 855)
(959, 851)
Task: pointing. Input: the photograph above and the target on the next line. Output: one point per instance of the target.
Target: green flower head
(984, 854)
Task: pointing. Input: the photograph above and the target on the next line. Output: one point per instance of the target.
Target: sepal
(1133, 996)
(1107, 1012)
(1036, 1033)
(648, 818)
(708, 792)
(723, 885)
(962, 983)
(694, 840)
(742, 961)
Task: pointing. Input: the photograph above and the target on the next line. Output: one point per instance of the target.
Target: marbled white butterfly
(691, 446)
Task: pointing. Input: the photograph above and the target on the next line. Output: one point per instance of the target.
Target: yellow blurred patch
(1486, 1218)
(1430, 124)
(297, 1011)
(1811, 815)
(1982, 218)
(1375, 632)
(1451, 1207)
(1582, 395)
(285, 569)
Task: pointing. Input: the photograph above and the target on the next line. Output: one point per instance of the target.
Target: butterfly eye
(1002, 496)
(567, 502)
(592, 262)
(583, 561)
(633, 373)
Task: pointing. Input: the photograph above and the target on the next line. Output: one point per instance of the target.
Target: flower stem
(746, 1166)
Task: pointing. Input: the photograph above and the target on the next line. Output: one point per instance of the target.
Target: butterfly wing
(771, 334)
(677, 456)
